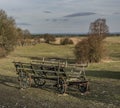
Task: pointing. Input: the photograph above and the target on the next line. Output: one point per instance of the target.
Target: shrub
(49, 38)
(96, 50)
(89, 50)
(66, 41)
(8, 33)
(92, 48)
(82, 51)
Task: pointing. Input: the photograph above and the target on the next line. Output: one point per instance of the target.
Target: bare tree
(26, 34)
(98, 31)
(23, 37)
(92, 48)
(99, 28)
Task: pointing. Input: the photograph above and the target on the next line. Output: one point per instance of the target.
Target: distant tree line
(59, 35)
(51, 38)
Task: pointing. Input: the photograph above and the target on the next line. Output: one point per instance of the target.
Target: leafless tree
(99, 28)
(92, 48)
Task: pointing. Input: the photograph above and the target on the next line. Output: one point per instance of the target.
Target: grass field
(104, 80)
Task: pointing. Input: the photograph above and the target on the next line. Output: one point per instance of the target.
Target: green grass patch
(113, 48)
(45, 50)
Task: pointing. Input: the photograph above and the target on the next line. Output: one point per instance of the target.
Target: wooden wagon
(64, 74)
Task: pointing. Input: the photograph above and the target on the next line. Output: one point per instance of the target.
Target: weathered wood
(62, 73)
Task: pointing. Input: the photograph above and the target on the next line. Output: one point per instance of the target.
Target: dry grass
(104, 80)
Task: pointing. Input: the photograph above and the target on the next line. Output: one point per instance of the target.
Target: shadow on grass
(103, 74)
(9, 81)
(101, 92)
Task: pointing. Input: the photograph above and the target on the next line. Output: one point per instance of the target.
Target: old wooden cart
(62, 73)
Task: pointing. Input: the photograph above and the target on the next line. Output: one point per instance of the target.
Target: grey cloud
(23, 24)
(80, 14)
(117, 13)
(47, 12)
(65, 19)
(47, 19)
(18, 9)
(56, 20)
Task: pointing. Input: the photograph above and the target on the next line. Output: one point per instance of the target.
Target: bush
(49, 38)
(89, 50)
(82, 51)
(66, 41)
(92, 49)
(96, 50)
(8, 33)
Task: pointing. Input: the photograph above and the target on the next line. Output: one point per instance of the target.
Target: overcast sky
(62, 16)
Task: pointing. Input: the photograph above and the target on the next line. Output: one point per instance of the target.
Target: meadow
(104, 78)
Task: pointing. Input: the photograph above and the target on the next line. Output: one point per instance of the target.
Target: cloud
(57, 20)
(23, 24)
(117, 13)
(47, 11)
(80, 14)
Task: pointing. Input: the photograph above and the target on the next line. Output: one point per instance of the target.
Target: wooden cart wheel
(24, 80)
(62, 85)
(39, 81)
(83, 87)
(82, 78)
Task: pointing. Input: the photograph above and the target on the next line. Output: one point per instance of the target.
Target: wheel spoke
(82, 87)
(39, 81)
(62, 86)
